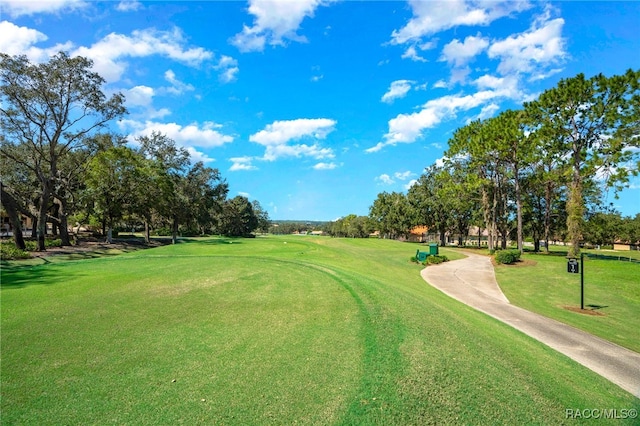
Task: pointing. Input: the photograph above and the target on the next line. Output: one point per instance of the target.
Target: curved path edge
(472, 281)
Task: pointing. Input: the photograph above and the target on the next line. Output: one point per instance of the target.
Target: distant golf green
(272, 330)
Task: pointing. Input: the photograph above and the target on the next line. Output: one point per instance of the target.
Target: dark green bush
(413, 259)
(507, 257)
(8, 251)
(435, 259)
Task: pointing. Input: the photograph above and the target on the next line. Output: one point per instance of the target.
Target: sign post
(582, 281)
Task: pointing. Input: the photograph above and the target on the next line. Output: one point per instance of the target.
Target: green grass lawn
(611, 289)
(272, 330)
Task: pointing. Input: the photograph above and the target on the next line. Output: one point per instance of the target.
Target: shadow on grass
(21, 276)
(211, 242)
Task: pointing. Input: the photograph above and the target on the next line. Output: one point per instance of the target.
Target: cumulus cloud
(129, 6)
(403, 175)
(385, 179)
(177, 86)
(398, 89)
(325, 166)
(533, 50)
(275, 137)
(205, 135)
(458, 53)
(412, 53)
(431, 17)
(409, 184)
(407, 128)
(18, 40)
(17, 8)
(274, 22)
(242, 163)
(110, 52)
(139, 96)
(228, 68)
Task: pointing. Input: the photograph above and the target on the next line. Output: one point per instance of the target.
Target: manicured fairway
(274, 330)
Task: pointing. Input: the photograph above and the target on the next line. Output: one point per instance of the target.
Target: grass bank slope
(611, 294)
(275, 330)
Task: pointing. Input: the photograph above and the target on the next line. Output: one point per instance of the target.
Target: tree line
(540, 171)
(59, 165)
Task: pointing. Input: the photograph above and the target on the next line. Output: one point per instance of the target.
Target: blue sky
(314, 107)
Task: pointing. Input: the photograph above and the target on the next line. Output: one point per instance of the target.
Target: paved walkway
(472, 281)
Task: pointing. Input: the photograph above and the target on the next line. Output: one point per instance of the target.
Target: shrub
(507, 257)
(413, 259)
(8, 251)
(435, 259)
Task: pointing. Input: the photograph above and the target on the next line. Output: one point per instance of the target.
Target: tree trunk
(575, 214)
(518, 209)
(147, 235)
(42, 217)
(547, 215)
(64, 223)
(11, 206)
(109, 235)
(174, 233)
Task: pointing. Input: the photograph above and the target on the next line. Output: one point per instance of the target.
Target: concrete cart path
(472, 281)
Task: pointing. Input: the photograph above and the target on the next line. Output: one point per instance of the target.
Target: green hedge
(435, 259)
(507, 257)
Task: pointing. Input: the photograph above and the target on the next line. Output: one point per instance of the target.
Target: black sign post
(582, 281)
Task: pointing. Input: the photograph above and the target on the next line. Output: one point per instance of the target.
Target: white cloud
(177, 86)
(276, 136)
(542, 45)
(385, 179)
(139, 96)
(274, 22)
(459, 54)
(244, 194)
(108, 54)
(228, 68)
(17, 40)
(409, 184)
(440, 84)
(430, 17)
(406, 128)
(242, 163)
(204, 136)
(325, 166)
(280, 132)
(403, 175)
(412, 53)
(398, 89)
(317, 78)
(196, 156)
(129, 6)
(17, 8)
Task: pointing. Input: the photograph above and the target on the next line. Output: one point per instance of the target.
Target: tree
(262, 215)
(204, 192)
(48, 109)
(593, 124)
(238, 218)
(115, 177)
(431, 208)
(392, 214)
(474, 147)
(168, 165)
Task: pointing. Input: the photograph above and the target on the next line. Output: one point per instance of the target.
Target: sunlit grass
(269, 330)
(611, 288)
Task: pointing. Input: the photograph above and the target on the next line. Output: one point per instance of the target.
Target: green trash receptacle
(433, 249)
